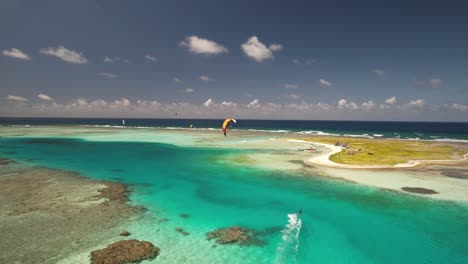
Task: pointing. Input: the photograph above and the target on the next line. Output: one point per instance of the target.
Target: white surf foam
(288, 247)
(451, 140)
(269, 131)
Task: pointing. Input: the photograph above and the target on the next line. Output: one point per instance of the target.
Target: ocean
(197, 189)
(442, 131)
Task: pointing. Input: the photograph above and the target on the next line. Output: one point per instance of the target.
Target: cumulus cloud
(108, 75)
(45, 97)
(189, 90)
(228, 104)
(258, 51)
(389, 104)
(416, 103)
(17, 98)
(294, 96)
(206, 78)
(253, 104)
(460, 107)
(123, 107)
(368, 106)
(379, 72)
(276, 47)
(324, 82)
(16, 54)
(177, 80)
(290, 86)
(197, 45)
(108, 59)
(208, 102)
(65, 54)
(391, 100)
(343, 104)
(151, 58)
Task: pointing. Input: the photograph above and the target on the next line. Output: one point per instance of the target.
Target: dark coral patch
(419, 190)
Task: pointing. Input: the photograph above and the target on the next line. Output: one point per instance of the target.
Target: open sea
(196, 189)
(402, 130)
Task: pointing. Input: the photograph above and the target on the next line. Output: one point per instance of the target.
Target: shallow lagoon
(341, 222)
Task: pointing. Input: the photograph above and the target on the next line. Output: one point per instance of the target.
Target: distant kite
(226, 123)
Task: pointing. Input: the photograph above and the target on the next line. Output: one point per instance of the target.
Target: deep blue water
(403, 130)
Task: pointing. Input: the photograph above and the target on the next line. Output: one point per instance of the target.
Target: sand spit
(324, 160)
(46, 214)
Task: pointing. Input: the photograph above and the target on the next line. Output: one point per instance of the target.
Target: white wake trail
(287, 249)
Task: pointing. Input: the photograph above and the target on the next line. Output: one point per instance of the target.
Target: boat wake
(288, 247)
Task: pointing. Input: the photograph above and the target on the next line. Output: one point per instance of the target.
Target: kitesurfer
(299, 213)
(226, 123)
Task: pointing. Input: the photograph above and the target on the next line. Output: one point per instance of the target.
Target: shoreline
(324, 160)
(39, 201)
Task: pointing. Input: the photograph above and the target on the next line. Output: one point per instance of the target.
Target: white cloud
(123, 107)
(276, 47)
(109, 59)
(151, 58)
(368, 106)
(324, 82)
(16, 53)
(379, 72)
(435, 82)
(258, 51)
(253, 104)
(290, 86)
(123, 102)
(189, 90)
(353, 106)
(64, 54)
(294, 96)
(416, 103)
(199, 45)
(228, 104)
(391, 100)
(296, 61)
(45, 97)
(460, 107)
(17, 98)
(343, 104)
(177, 80)
(108, 74)
(206, 78)
(208, 102)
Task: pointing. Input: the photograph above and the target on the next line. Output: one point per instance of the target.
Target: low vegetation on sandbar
(367, 151)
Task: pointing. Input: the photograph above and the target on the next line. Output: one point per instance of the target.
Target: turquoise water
(341, 222)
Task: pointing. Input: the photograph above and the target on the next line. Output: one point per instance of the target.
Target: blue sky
(346, 60)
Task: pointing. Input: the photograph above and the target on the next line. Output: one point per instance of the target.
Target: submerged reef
(419, 190)
(235, 235)
(125, 251)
